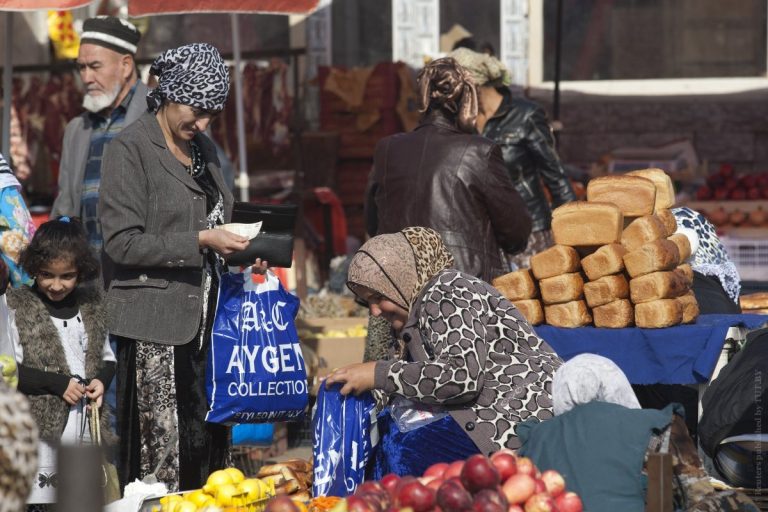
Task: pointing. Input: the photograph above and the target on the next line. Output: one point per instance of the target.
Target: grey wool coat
(151, 211)
(43, 351)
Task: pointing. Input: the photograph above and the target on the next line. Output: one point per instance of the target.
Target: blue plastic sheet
(256, 371)
(345, 434)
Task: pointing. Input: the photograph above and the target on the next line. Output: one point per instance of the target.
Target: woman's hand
(95, 391)
(74, 392)
(259, 266)
(355, 378)
(222, 241)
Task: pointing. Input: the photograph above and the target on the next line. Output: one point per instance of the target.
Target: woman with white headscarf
(161, 195)
(600, 440)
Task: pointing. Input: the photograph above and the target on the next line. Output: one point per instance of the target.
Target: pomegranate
(518, 488)
(416, 495)
(738, 194)
(505, 463)
(569, 502)
(754, 193)
(541, 502)
(478, 473)
(704, 193)
(451, 496)
(554, 482)
(437, 469)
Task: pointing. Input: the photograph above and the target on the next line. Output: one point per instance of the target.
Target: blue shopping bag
(256, 371)
(345, 434)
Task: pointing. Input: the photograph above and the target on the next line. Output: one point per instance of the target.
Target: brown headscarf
(445, 85)
(398, 265)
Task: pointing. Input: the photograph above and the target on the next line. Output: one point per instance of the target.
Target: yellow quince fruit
(236, 475)
(215, 480)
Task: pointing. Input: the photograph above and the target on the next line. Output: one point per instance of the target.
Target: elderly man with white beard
(113, 98)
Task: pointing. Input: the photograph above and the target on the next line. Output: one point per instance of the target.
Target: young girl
(60, 338)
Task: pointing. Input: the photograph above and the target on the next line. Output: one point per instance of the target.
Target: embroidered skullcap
(18, 449)
(483, 68)
(110, 32)
(193, 75)
(398, 265)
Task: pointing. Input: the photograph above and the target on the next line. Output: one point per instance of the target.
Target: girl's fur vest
(43, 351)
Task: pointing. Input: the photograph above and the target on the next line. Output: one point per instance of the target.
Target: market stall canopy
(147, 7)
(37, 5)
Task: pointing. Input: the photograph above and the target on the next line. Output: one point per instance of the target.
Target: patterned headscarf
(398, 265)
(194, 75)
(483, 68)
(18, 449)
(708, 257)
(7, 178)
(590, 378)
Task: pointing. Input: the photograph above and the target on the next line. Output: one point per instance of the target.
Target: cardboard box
(334, 352)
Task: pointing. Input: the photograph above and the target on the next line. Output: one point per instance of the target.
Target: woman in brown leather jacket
(521, 129)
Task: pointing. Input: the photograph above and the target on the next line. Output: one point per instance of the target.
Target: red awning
(147, 7)
(39, 5)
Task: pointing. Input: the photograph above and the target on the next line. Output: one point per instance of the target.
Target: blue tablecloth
(685, 354)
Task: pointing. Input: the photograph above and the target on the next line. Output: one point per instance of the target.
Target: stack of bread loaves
(617, 260)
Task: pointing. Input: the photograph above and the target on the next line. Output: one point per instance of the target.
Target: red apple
(435, 483)
(738, 194)
(478, 473)
(515, 508)
(541, 502)
(569, 502)
(526, 466)
(518, 488)
(554, 482)
(704, 193)
(727, 170)
(765, 192)
(721, 193)
(370, 486)
(489, 500)
(754, 193)
(389, 483)
(437, 469)
(505, 463)
(454, 469)
(452, 497)
(359, 504)
(539, 486)
(416, 495)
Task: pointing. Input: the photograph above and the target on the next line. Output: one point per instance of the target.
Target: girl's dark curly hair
(63, 238)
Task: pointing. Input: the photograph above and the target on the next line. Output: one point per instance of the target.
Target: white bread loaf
(562, 288)
(683, 246)
(569, 314)
(642, 230)
(614, 315)
(665, 190)
(606, 289)
(685, 271)
(517, 285)
(633, 195)
(580, 223)
(531, 310)
(658, 313)
(668, 219)
(652, 257)
(606, 260)
(556, 260)
(690, 307)
(655, 286)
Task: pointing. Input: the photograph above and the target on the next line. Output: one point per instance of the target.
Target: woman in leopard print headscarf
(468, 350)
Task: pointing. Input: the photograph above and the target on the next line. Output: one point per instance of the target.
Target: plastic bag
(345, 433)
(410, 415)
(256, 371)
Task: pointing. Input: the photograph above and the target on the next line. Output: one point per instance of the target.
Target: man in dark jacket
(521, 129)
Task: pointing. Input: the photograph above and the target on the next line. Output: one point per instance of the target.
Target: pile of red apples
(501, 483)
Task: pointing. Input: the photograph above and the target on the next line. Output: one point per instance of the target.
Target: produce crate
(750, 255)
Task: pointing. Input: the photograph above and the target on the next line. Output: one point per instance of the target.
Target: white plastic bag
(410, 415)
(8, 368)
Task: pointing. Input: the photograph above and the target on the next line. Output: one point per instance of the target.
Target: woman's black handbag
(274, 243)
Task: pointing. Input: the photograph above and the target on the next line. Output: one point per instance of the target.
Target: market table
(684, 354)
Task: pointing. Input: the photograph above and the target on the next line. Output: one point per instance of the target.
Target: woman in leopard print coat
(467, 349)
